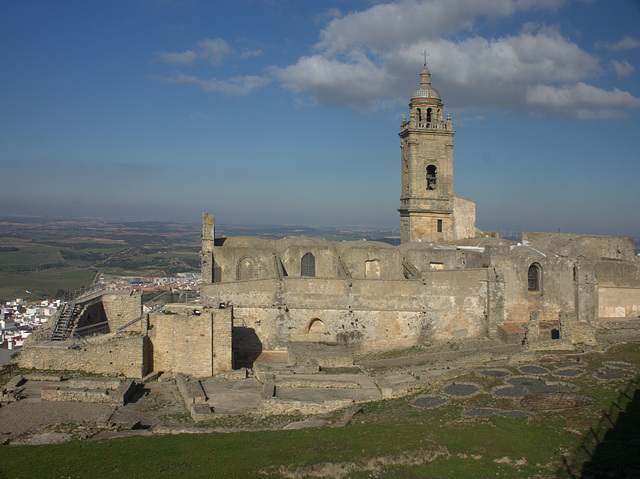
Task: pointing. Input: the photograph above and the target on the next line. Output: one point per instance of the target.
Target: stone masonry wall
(620, 303)
(110, 355)
(121, 308)
(362, 314)
(464, 218)
(191, 340)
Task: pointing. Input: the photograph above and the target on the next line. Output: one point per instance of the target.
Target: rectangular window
(439, 226)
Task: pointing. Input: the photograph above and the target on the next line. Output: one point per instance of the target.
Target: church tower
(429, 211)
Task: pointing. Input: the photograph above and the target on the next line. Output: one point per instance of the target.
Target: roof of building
(425, 90)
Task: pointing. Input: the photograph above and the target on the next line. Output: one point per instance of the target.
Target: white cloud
(237, 86)
(251, 53)
(186, 58)
(333, 82)
(627, 43)
(582, 101)
(211, 50)
(622, 68)
(391, 24)
(369, 59)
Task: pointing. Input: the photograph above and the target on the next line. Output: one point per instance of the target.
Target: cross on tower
(425, 58)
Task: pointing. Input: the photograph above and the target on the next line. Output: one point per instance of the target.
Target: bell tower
(427, 202)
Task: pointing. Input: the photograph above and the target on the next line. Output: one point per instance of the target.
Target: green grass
(29, 256)
(43, 283)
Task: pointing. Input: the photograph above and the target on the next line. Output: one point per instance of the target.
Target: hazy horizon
(160, 110)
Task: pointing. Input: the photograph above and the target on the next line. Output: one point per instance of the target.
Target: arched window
(534, 277)
(419, 111)
(246, 269)
(428, 115)
(308, 265)
(431, 177)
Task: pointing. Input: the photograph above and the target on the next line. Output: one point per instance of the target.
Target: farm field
(49, 257)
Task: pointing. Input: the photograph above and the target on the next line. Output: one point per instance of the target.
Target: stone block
(201, 412)
(15, 382)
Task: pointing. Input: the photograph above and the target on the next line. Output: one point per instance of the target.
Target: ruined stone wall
(326, 261)
(558, 286)
(464, 218)
(257, 292)
(618, 288)
(443, 257)
(93, 313)
(590, 246)
(371, 260)
(226, 259)
(363, 314)
(112, 355)
(184, 339)
(623, 274)
(619, 303)
(208, 240)
(121, 308)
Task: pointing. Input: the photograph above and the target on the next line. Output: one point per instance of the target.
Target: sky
(287, 111)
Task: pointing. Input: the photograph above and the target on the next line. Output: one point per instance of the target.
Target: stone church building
(447, 281)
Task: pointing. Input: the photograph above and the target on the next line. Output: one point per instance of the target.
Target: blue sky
(288, 111)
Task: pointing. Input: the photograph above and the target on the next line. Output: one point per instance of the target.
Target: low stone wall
(98, 390)
(112, 355)
(94, 383)
(323, 355)
(58, 393)
(191, 390)
(194, 398)
(275, 406)
(294, 382)
(44, 377)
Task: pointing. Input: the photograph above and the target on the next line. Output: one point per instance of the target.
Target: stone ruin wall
(110, 355)
(191, 340)
(121, 308)
(464, 218)
(618, 289)
(558, 290)
(363, 314)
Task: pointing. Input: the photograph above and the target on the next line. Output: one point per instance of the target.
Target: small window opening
(308, 265)
(428, 115)
(439, 226)
(431, 177)
(419, 111)
(534, 277)
(316, 326)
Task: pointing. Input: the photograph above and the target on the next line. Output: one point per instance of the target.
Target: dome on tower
(425, 90)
